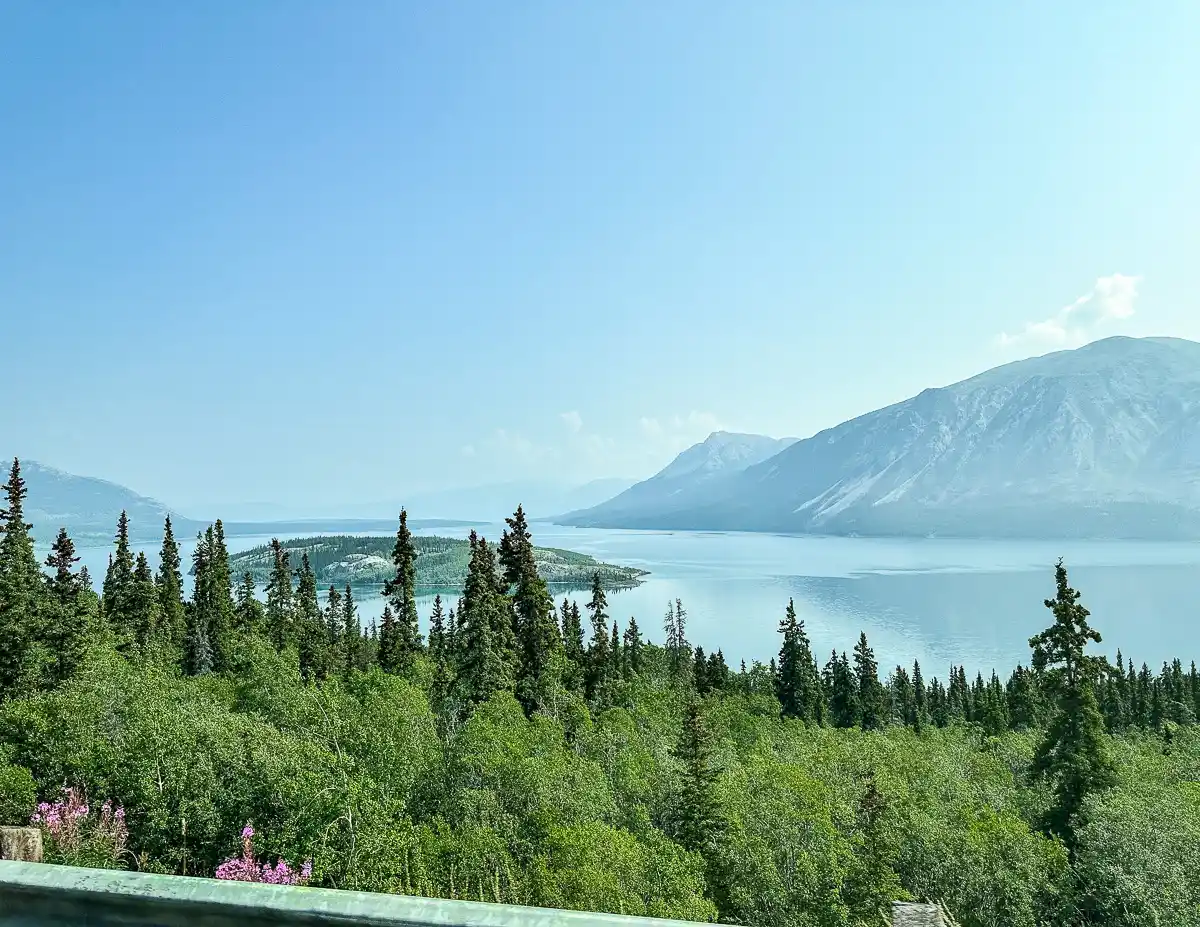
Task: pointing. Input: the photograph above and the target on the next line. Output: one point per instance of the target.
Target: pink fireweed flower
(244, 868)
(78, 838)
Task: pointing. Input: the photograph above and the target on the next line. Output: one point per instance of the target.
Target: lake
(941, 601)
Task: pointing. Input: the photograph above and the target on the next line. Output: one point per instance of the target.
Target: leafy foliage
(518, 759)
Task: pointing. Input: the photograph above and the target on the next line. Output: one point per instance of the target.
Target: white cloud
(1111, 299)
(573, 420)
(468, 450)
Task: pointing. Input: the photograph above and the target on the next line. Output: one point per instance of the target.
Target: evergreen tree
(698, 822)
(248, 615)
(700, 672)
(633, 647)
(335, 629)
(387, 654)
(540, 652)
(170, 588)
(401, 594)
(351, 635)
(870, 689)
(576, 665)
(717, 672)
(197, 650)
(617, 670)
(872, 882)
(280, 610)
(798, 681)
(679, 653)
(904, 702)
(63, 584)
(70, 607)
(222, 596)
(483, 669)
(118, 594)
(1022, 699)
(788, 684)
(599, 650)
(437, 630)
(1072, 755)
(939, 708)
(146, 608)
(314, 635)
(920, 699)
(1194, 687)
(992, 714)
(843, 691)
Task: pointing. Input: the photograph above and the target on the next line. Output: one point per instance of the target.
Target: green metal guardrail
(44, 895)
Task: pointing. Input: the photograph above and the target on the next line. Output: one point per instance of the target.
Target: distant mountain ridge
(1101, 441)
(702, 466)
(89, 507)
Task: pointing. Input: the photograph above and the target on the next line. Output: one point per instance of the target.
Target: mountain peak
(1102, 440)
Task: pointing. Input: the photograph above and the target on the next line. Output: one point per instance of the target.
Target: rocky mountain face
(699, 468)
(1102, 441)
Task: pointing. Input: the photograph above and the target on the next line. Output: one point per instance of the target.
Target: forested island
(533, 752)
(439, 562)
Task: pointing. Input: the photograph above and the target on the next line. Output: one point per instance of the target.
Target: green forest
(440, 562)
(537, 752)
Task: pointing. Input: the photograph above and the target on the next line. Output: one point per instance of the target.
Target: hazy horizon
(315, 256)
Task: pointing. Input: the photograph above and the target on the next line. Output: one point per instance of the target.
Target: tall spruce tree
(314, 636)
(437, 630)
(198, 615)
(281, 608)
(717, 671)
(843, 688)
(222, 595)
(482, 668)
(170, 588)
(573, 647)
(679, 654)
(539, 665)
(798, 682)
(63, 583)
(920, 699)
(146, 617)
(633, 647)
(871, 696)
(335, 630)
(402, 596)
(599, 662)
(351, 635)
(248, 615)
(1073, 755)
(387, 654)
(698, 820)
(118, 593)
(70, 610)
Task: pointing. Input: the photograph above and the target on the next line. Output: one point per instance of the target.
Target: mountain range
(1100, 441)
(88, 507)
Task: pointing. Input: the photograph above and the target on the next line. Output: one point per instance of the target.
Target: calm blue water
(939, 601)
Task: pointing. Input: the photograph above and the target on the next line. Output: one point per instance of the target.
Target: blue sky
(299, 251)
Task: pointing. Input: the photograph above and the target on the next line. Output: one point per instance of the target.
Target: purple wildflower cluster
(76, 835)
(244, 869)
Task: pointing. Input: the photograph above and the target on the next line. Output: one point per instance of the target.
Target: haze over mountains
(1102, 441)
(88, 507)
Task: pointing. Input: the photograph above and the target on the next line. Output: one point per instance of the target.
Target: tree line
(578, 670)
